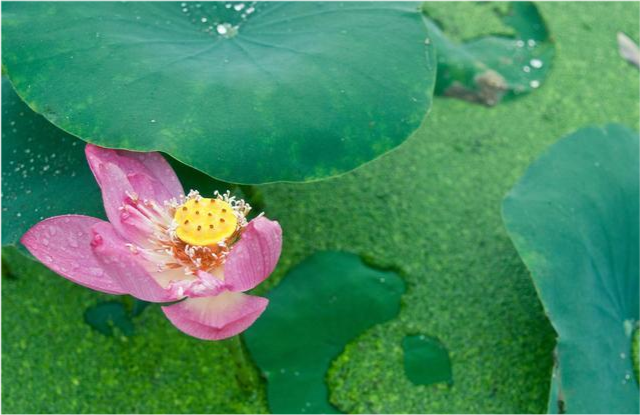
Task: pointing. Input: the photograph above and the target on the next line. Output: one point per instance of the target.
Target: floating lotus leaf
(573, 217)
(320, 306)
(245, 92)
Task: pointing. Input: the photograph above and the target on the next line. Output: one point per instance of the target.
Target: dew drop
(238, 7)
(534, 84)
(227, 30)
(526, 69)
(536, 63)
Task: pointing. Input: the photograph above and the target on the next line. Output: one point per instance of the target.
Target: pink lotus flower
(162, 246)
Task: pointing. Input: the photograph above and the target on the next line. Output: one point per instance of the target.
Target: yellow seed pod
(205, 221)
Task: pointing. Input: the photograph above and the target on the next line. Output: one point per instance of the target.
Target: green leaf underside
(495, 67)
(573, 218)
(45, 172)
(321, 305)
(426, 360)
(304, 90)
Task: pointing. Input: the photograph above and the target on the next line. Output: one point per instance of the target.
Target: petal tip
(216, 318)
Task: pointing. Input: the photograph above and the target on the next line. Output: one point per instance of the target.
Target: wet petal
(159, 169)
(62, 243)
(253, 258)
(116, 190)
(216, 318)
(125, 267)
(149, 175)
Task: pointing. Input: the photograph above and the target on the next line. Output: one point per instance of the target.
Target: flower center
(203, 221)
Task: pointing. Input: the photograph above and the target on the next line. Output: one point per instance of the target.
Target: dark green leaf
(107, 315)
(319, 307)
(44, 171)
(289, 91)
(574, 219)
(7, 271)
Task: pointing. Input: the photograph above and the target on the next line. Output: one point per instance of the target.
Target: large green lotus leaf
(245, 92)
(45, 172)
(574, 219)
(319, 307)
(490, 68)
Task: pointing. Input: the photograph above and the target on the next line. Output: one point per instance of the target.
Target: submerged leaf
(108, 315)
(491, 68)
(426, 360)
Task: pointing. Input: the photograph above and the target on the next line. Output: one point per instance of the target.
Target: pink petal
(160, 169)
(125, 267)
(216, 318)
(116, 197)
(115, 191)
(149, 173)
(62, 243)
(253, 258)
